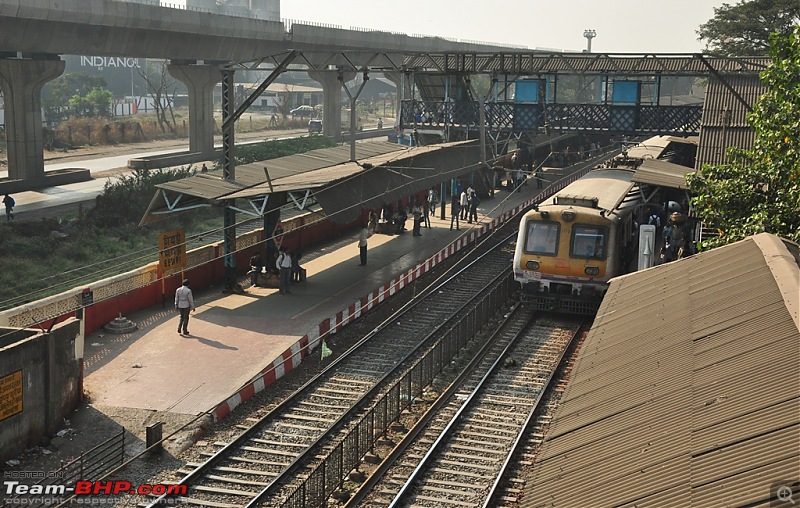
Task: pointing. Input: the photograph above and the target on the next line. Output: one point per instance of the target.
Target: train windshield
(542, 238)
(588, 242)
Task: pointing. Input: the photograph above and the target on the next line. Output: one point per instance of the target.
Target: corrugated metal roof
(614, 183)
(212, 186)
(687, 389)
(662, 174)
(724, 121)
(384, 172)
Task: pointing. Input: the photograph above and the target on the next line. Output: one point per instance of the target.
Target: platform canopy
(382, 173)
(662, 174)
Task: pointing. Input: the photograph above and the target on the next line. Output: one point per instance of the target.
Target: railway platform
(240, 343)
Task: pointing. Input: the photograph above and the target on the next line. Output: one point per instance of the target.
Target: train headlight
(568, 215)
(532, 265)
(591, 270)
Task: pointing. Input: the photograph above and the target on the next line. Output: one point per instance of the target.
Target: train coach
(569, 247)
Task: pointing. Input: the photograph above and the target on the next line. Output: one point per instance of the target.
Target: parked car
(315, 126)
(302, 111)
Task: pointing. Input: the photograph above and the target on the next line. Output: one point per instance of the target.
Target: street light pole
(589, 34)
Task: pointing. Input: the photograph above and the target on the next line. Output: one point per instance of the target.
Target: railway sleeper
(453, 490)
(203, 502)
(268, 451)
(441, 501)
(228, 492)
(504, 434)
(279, 443)
(481, 451)
(467, 443)
(237, 480)
(442, 470)
(474, 486)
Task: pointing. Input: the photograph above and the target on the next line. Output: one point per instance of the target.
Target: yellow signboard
(10, 395)
(172, 251)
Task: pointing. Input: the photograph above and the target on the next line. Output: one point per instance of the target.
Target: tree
(759, 191)
(162, 88)
(59, 93)
(744, 29)
(96, 103)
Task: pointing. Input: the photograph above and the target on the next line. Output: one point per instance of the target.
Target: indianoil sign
(10, 395)
(172, 251)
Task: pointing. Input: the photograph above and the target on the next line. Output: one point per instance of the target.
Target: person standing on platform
(454, 211)
(256, 264)
(184, 303)
(539, 180)
(433, 199)
(463, 204)
(417, 213)
(284, 266)
(362, 243)
(426, 213)
(9, 202)
(473, 208)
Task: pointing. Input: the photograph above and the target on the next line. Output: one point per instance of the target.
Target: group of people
(464, 206)
(287, 267)
(676, 235)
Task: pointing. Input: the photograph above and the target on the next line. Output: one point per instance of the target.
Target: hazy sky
(622, 26)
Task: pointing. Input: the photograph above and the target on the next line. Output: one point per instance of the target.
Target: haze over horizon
(643, 26)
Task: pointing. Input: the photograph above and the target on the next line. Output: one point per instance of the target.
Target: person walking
(9, 202)
(284, 266)
(362, 243)
(417, 213)
(454, 211)
(184, 303)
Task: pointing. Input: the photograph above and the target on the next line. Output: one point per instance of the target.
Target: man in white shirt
(362, 243)
(184, 302)
(284, 266)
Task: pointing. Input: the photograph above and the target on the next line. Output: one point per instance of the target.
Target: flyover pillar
(200, 81)
(21, 81)
(332, 99)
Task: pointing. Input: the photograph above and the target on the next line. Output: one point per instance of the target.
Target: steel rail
(196, 475)
(312, 450)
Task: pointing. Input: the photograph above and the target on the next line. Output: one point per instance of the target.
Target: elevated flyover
(34, 33)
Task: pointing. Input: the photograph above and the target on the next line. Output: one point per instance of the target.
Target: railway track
(460, 449)
(304, 448)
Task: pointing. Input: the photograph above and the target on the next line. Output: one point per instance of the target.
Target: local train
(569, 247)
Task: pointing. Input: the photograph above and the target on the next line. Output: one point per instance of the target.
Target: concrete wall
(43, 368)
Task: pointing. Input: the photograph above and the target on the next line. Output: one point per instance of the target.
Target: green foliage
(96, 103)
(57, 94)
(124, 201)
(759, 191)
(280, 148)
(744, 29)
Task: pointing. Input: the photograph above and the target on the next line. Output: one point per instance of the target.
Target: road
(104, 163)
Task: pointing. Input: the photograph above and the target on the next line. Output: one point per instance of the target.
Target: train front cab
(563, 265)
